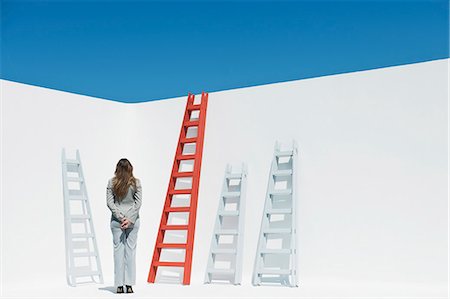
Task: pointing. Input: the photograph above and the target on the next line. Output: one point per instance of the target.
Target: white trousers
(124, 253)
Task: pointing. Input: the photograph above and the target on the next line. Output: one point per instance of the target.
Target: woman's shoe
(129, 289)
(119, 290)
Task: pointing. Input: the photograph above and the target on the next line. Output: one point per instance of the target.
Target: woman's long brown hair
(123, 179)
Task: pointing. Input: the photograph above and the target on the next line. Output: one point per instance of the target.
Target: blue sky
(134, 51)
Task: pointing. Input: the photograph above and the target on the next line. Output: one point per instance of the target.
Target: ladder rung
(224, 250)
(193, 123)
(183, 174)
(77, 197)
(231, 194)
(171, 245)
(78, 218)
(284, 153)
(177, 209)
(72, 161)
(74, 179)
(279, 211)
(275, 271)
(84, 254)
(180, 191)
(174, 227)
(233, 175)
(168, 264)
(84, 271)
(185, 157)
(226, 232)
(277, 231)
(281, 192)
(220, 271)
(229, 213)
(282, 172)
(189, 140)
(276, 251)
(82, 235)
(194, 107)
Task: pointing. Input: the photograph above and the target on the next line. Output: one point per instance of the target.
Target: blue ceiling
(135, 51)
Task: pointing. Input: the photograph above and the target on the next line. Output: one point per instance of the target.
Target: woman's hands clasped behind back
(125, 223)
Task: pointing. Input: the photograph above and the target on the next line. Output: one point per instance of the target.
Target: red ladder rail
(193, 191)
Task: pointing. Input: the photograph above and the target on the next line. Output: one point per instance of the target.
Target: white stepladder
(225, 254)
(276, 255)
(82, 258)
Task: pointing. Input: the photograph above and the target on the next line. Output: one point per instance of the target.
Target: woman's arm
(110, 202)
(133, 212)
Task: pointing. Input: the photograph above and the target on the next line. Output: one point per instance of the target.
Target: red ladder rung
(183, 174)
(171, 245)
(180, 191)
(174, 227)
(185, 157)
(193, 107)
(177, 209)
(192, 123)
(189, 140)
(168, 264)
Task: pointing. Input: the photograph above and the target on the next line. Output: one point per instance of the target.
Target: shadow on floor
(109, 289)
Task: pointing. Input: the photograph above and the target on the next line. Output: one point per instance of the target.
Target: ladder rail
(195, 187)
(85, 212)
(241, 229)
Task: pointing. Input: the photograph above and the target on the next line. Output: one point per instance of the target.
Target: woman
(124, 198)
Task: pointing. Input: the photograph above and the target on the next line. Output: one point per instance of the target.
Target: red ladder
(194, 116)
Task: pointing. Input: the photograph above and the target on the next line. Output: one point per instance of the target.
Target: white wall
(373, 206)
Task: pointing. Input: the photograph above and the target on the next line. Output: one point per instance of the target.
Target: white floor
(307, 289)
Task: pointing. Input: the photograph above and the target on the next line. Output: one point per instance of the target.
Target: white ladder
(82, 258)
(276, 255)
(225, 254)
